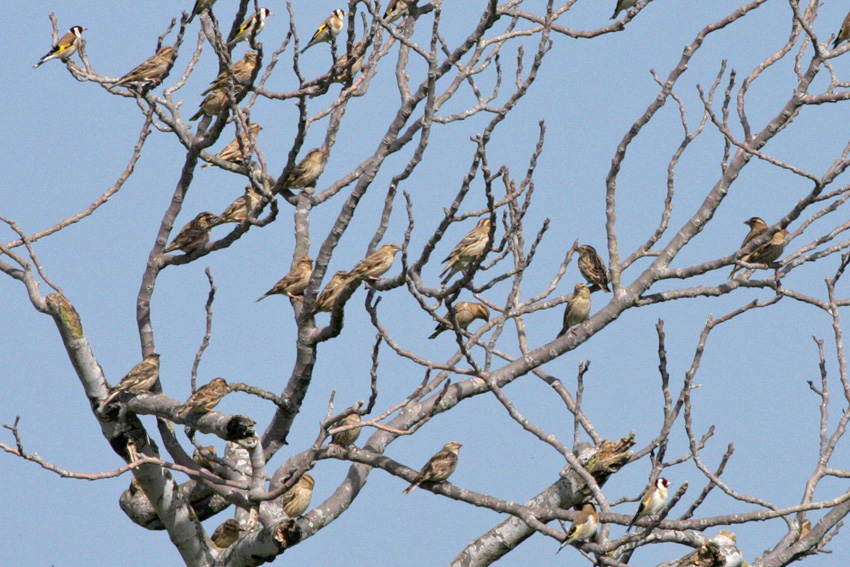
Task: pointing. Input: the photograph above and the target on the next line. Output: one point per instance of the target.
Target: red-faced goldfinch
(652, 502)
(67, 45)
(251, 27)
(584, 526)
(329, 29)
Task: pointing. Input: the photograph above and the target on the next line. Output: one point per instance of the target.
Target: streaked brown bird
(465, 312)
(205, 398)
(251, 27)
(307, 171)
(67, 45)
(327, 298)
(767, 253)
(757, 227)
(584, 526)
(141, 378)
(346, 438)
(468, 249)
(238, 210)
(226, 534)
(295, 282)
(591, 267)
(200, 6)
(345, 67)
(439, 467)
(843, 33)
(194, 235)
(578, 308)
(376, 264)
(212, 105)
(203, 457)
(153, 70)
(232, 152)
(296, 500)
(623, 5)
(241, 71)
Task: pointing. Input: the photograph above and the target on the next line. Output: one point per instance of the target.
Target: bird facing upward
(327, 298)
(67, 45)
(200, 6)
(653, 501)
(439, 467)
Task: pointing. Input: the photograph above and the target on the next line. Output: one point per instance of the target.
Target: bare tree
(441, 82)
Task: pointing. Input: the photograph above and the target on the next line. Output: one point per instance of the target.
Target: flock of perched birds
(143, 377)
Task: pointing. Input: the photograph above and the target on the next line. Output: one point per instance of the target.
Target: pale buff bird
(141, 378)
(578, 308)
(346, 438)
(469, 249)
(205, 398)
(66, 46)
(584, 526)
(307, 171)
(591, 267)
(241, 72)
(226, 534)
(295, 282)
(327, 298)
(767, 253)
(439, 467)
(153, 70)
(233, 152)
(296, 500)
(238, 210)
(465, 312)
(376, 264)
(194, 235)
(212, 105)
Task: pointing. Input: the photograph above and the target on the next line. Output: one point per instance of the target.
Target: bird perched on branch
(843, 33)
(251, 27)
(203, 457)
(295, 282)
(767, 253)
(653, 501)
(241, 72)
(307, 171)
(153, 70)
(469, 249)
(348, 437)
(327, 298)
(194, 235)
(140, 378)
(591, 267)
(233, 151)
(395, 10)
(623, 5)
(376, 264)
(67, 45)
(345, 67)
(465, 312)
(439, 467)
(200, 6)
(578, 308)
(238, 210)
(226, 534)
(205, 398)
(212, 105)
(329, 29)
(584, 526)
(296, 500)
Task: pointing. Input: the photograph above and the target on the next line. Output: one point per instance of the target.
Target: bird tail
(184, 410)
(632, 523)
(836, 42)
(437, 332)
(563, 332)
(309, 45)
(567, 542)
(37, 65)
(412, 486)
(265, 296)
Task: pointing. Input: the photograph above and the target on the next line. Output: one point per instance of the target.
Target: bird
(652, 502)
(395, 10)
(623, 5)
(241, 72)
(152, 70)
(200, 6)
(140, 378)
(327, 298)
(348, 437)
(205, 398)
(307, 171)
(342, 71)
(329, 29)
(212, 105)
(584, 526)
(591, 267)
(468, 250)
(67, 45)
(439, 467)
(296, 500)
(767, 253)
(233, 151)
(295, 282)
(376, 264)
(238, 210)
(805, 528)
(578, 308)
(465, 312)
(194, 235)
(226, 534)
(251, 27)
(203, 457)
(843, 33)
(757, 227)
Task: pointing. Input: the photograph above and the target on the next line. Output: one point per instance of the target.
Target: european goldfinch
(843, 33)
(67, 45)
(623, 5)
(194, 235)
(295, 282)
(376, 264)
(653, 501)
(439, 467)
(591, 267)
(467, 250)
(465, 312)
(584, 526)
(251, 27)
(140, 378)
(152, 70)
(200, 6)
(578, 308)
(329, 29)
(205, 398)
(395, 10)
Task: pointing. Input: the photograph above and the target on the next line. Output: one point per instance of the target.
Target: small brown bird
(468, 249)
(295, 282)
(205, 398)
(346, 67)
(153, 70)
(327, 298)
(233, 151)
(653, 501)
(805, 528)
(591, 267)
(439, 467)
(376, 264)
(307, 171)
(241, 70)
(623, 5)
(194, 235)
(584, 526)
(141, 378)
(843, 33)
(465, 312)
(226, 534)
(238, 210)
(200, 6)
(251, 27)
(757, 227)
(578, 308)
(767, 253)
(296, 500)
(329, 29)
(67, 45)
(346, 438)
(203, 457)
(212, 105)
